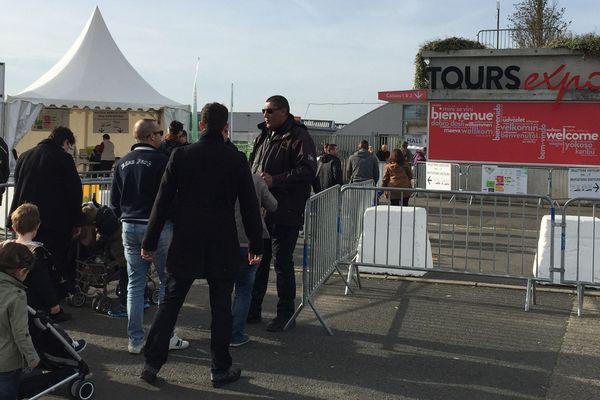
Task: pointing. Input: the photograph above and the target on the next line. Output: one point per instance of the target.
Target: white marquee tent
(92, 74)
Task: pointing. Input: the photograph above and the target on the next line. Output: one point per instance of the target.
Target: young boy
(16, 348)
(44, 281)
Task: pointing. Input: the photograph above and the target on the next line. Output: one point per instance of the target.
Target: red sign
(516, 133)
(404, 95)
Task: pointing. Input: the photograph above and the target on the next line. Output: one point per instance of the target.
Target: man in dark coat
(47, 177)
(284, 155)
(329, 171)
(203, 180)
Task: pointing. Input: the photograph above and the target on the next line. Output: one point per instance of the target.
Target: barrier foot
(349, 279)
(533, 293)
(293, 317)
(528, 294)
(348, 288)
(580, 296)
(358, 283)
(329, 331)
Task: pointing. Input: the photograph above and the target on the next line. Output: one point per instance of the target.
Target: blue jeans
(244, 283)
(9, 384)
(137, 271)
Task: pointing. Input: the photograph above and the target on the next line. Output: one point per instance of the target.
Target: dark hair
(175, 127)
(106, 136)
(331, 146)
(14, 255)
(60, 134)
(364, 144)
(214, 116)
(279, 102)
(25, 218)
(396, 157)
(405, 144)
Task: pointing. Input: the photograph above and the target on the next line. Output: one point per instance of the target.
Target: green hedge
(453, 43)
(588, 44)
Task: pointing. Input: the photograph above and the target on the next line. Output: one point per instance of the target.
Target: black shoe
(253, 319)
(223, 378)
(148, 375)
(278, 324)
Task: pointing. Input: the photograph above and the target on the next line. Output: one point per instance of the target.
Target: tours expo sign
(514, 132)
(514, 107)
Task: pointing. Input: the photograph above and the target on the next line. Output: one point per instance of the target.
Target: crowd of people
(199, 211)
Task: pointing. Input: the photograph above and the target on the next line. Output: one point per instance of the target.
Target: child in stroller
(60, 362)
(100, 260)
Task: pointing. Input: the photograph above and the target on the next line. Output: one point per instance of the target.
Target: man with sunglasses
(284, 155)
(135, 185)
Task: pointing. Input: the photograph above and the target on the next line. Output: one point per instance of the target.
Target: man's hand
(148, 255)
(55, 309)
(254, 259)
(267, 178)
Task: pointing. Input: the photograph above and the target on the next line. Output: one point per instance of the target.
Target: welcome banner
(515, 132)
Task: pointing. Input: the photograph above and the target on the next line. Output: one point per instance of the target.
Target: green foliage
(538, 22)
(442, 45)
(588, 44)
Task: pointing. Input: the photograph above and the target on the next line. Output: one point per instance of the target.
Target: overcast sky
(311, 51)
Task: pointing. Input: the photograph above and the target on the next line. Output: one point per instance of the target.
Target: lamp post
(497, 24)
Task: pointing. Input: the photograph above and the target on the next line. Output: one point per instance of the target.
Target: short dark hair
(280, 102)
(15, 255)
(364, 144)
(214, 116)
(405, 144)
(60, 134)
(396, 157)
(331, 146)
(25, 218)
(175, 127)
(106, 136)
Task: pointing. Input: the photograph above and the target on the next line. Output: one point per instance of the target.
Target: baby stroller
(100, 260)
(60, 363)
(99, 257)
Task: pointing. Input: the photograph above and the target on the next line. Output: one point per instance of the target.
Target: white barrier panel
(578, 250)
(401, 241)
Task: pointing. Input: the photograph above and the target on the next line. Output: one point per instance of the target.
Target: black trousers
(63, 250)
(281, 247)
(157, 343)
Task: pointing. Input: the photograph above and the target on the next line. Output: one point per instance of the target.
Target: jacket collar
(143, 146)
(211, 136)
(4, 277)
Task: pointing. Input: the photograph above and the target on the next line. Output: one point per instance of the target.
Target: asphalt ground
(393, 339)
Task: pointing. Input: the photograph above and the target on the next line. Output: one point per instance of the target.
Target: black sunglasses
(269, 110)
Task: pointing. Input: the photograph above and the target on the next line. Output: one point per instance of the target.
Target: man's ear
(225, 132)
(201, 125)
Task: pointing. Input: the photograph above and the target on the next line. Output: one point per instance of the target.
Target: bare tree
(537, 22)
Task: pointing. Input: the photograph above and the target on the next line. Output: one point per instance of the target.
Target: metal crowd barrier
(94, 189)
(473, 233)
(580, 246)
(320, 255)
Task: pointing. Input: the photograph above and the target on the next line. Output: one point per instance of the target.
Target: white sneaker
(177, 343)
(135, 349)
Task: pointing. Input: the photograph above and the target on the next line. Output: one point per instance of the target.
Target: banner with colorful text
(515, 132)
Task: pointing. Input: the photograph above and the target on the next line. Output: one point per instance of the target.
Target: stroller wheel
(103, 305)
(155, 296)
(82, 390)
(77, 299)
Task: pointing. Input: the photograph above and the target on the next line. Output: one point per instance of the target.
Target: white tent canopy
(93, 73)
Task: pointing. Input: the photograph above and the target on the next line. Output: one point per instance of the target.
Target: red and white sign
(516, 133)
(404, 95)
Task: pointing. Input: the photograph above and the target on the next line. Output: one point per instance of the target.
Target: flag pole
(231, 116)
(194, 133)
